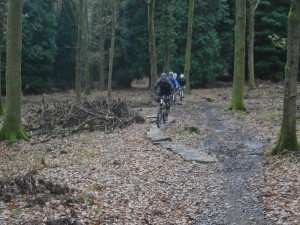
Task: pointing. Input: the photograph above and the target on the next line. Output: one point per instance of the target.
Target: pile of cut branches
(66, 117)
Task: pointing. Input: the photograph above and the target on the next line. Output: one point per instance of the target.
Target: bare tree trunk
(188, 52)
(102, 39)
(86, 63)
(12, 128)
(79, 53)
(2, 16)
(252, 7)
(152, 45)
(112, 45)
(288, 135)
(237, 100)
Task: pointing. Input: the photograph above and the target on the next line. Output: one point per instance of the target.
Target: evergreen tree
(66, 36)
(270, 36)
(39, 44)
(134, 37)
(12, 129)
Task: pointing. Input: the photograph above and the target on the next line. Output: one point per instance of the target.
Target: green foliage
(66, 36)
(271, 31)
(36, 84)
(39, 45)
(134, 61)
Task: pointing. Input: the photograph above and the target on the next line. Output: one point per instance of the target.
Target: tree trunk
(112, 45)
(2, 16)
(86, 63)
(252, 7)
(152, 45)
(188, 52)
(79, 52)
(237, 100)
(12, 128)
(288, 137)
(1, 103)
(102, 39)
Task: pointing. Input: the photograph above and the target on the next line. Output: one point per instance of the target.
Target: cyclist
(182, 82)
(173, 80)
(175, 84)
(166, 88)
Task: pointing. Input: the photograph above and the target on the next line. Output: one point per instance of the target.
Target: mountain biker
(181, 80)
(173, 80)
(166, 88)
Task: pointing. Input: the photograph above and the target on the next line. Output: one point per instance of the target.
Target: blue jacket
(174, 82)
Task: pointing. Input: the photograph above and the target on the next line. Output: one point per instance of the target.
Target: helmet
(182, 75)
(171, 73)
(175, 75)
(163, 76)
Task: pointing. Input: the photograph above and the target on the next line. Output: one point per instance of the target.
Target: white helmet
(175, 75)
(182, 75)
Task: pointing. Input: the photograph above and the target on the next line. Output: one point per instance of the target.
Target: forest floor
(122, 177)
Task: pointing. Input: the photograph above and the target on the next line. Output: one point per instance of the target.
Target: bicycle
(181, 93)
(161, 112)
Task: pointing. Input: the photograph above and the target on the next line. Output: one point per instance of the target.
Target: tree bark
(12, 129)
(102, 39)
(288, 134)
(2, 16)
(237, 100)
(251, 18)
(188, 52)
(79, 52)
(86, 63)
(112, 45)
(152, 45)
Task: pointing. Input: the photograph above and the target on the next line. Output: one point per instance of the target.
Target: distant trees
(288, 140)
(270, 38)
(12, 128)
(39, 44)
(52, 62)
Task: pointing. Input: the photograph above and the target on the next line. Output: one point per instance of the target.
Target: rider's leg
(167, 101)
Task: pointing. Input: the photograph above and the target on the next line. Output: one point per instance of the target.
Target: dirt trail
(241, 158)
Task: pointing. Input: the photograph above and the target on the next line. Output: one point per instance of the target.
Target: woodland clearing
(120, 177)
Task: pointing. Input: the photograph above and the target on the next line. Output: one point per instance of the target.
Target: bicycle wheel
(159, 119)
(181, 95)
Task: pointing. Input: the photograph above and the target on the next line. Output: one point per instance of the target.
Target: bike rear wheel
(181, 95)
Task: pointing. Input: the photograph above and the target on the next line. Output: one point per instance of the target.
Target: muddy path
(241, 157)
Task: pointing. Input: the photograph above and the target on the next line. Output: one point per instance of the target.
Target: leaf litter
(91, 177)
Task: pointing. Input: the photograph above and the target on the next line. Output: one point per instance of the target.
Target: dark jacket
(181, 81)
(165, 88)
